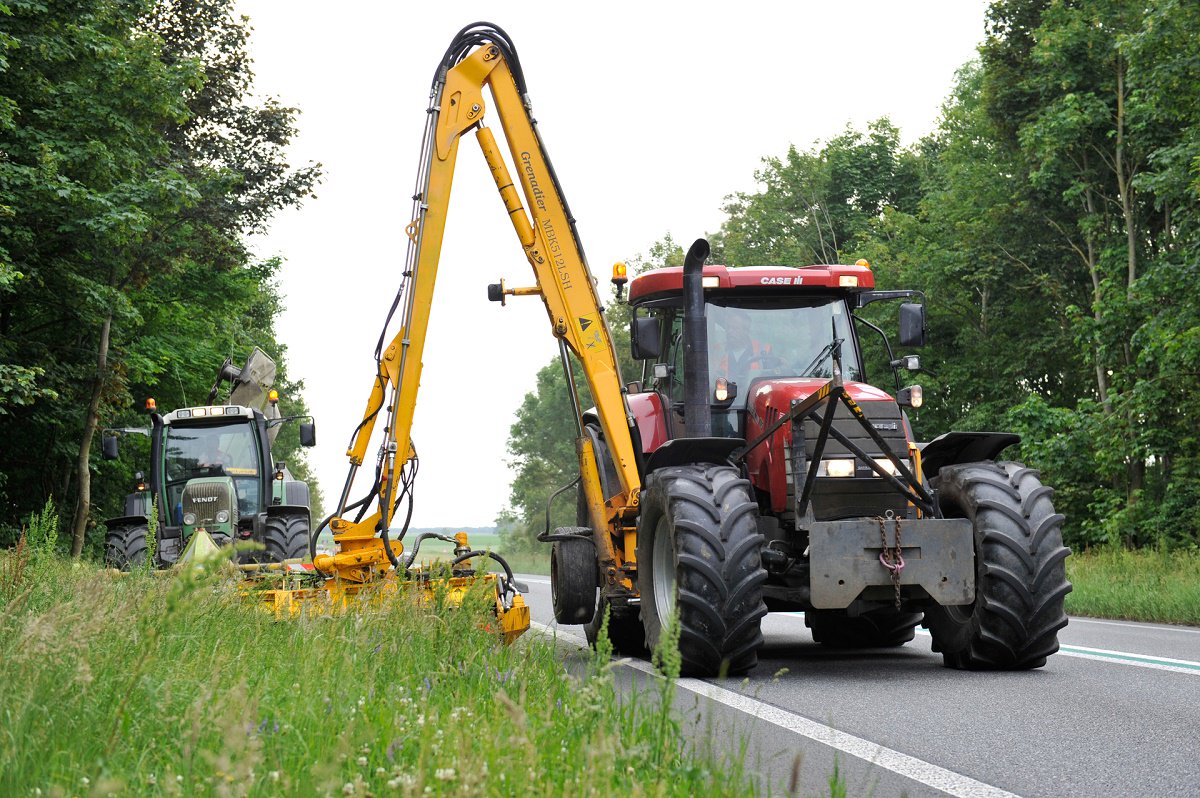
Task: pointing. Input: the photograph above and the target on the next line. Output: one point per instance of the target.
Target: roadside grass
(1157, 586)
(145, 684)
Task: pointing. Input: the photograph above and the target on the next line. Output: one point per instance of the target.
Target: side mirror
(109, 448)
(912, 324)
(308, 434)
(643, 337)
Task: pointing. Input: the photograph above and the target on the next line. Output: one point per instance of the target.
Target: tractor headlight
(837, 468)
(887, 465)
(189, 518)
(222, 516)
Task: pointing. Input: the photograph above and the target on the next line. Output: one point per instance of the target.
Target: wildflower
(274, 775)
(152, 779)
(362, 761)
(347, 789)
(445, 774)
(380, 772)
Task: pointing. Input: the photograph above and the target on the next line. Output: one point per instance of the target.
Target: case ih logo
(782, 281)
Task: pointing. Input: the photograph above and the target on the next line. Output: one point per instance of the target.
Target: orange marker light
(150, 405)
(273, 396)
(863, 262)
(620, 274)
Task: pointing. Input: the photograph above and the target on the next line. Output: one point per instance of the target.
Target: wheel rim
(662, 571)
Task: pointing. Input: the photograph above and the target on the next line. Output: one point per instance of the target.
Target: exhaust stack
(697, 416)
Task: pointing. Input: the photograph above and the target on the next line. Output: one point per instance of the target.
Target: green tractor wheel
(286, 537)
(125, 546)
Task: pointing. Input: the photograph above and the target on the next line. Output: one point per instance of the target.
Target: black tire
(625, 630)
(573, 576)
(698, 554)
(285, 538)
(125, 546)
(881, 628)
(1020, 578)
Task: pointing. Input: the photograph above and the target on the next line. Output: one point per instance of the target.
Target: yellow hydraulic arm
(480, 56)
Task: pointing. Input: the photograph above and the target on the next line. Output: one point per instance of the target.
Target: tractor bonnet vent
(205, 499)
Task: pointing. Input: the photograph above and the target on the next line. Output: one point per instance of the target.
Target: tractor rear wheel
(125, 546)
(573, 576)
(1020, 578)
(286, 537)
(881, 628)
(698, 559)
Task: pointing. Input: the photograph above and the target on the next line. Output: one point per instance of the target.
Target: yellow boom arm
(482, 56)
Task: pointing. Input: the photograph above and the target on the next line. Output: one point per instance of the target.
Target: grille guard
(826, 399)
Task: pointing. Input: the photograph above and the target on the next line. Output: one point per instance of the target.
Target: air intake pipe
(697, 416)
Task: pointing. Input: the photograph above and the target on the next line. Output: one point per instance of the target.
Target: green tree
(134, 166)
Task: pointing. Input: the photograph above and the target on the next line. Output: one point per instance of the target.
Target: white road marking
(1158, 627)
(909, 767)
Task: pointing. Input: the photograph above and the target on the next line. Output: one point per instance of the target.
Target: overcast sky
(652, 114)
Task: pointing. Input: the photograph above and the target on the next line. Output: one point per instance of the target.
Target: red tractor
(775, 477)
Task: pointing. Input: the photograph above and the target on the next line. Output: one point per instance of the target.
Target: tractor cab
(213, 469)
(754, 343)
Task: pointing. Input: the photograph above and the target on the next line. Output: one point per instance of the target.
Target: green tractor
(213, 477)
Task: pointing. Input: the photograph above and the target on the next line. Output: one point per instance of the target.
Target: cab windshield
(792, 338)
(212, 451)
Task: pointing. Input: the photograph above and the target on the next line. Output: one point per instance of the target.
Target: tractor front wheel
(286, 537)
(698, 559)
(125, 546)
(1020, 578)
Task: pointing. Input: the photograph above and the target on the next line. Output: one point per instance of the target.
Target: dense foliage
(133, 164)
(1053, 220)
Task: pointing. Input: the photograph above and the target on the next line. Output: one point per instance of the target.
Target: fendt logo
(204, 498)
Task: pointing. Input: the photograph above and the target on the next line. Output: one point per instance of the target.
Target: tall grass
(144, 685)
(1145, 585)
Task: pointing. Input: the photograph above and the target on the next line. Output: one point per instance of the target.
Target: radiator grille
(865, 494)
(205, 499)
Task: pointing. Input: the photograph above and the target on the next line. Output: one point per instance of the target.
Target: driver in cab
(741, 355)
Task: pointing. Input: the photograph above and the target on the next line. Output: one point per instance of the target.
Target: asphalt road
(1116, 712)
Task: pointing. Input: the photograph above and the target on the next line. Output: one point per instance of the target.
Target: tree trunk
(83, 505)
(1093, 271)
(1124, 174)
(1125, 180)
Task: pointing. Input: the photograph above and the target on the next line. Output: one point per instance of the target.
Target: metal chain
(891, 558)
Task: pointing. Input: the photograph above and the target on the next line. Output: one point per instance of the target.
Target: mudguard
(963, 447)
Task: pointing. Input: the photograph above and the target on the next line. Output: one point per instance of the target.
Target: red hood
(770, 399)
(781, 391)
